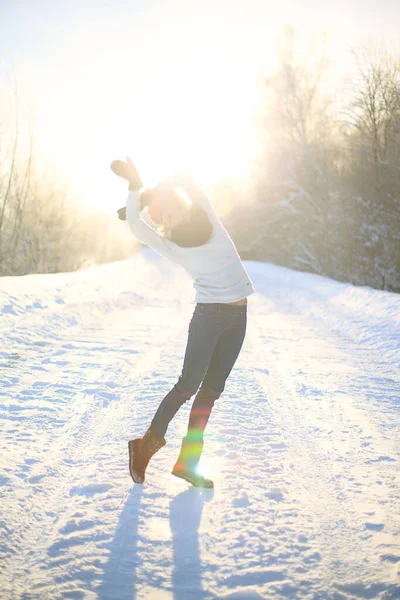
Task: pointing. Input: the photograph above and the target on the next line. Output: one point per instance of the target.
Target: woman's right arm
(193, 190)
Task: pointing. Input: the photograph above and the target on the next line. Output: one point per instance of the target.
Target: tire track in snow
(342, 521)
(78, 442)
(313, 476)
(269, 530)
(46, 504)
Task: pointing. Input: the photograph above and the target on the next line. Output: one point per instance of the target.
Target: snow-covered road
(303, 445)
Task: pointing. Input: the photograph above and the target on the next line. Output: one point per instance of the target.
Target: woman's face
(166, 210)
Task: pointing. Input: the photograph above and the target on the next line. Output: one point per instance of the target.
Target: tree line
(325, 191)
(324, 194)
(43, 227)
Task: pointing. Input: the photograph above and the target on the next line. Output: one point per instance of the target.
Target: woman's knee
(209, 394)
(185, 392)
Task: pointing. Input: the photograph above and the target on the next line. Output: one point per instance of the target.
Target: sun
(183, 119)
(208, 141)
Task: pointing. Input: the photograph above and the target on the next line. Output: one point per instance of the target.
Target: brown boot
(187, 463)
(140, 452)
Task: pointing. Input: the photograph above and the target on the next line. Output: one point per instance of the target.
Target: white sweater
(216, 268)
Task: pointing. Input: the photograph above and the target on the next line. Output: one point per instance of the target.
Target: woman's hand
(122, 213)
(127, 170)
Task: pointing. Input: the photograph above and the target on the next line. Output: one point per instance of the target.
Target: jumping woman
(190, 234)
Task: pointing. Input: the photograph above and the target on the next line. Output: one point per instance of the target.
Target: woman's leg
(204, 330)
(222, 361)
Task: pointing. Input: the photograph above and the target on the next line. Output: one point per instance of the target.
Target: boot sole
(194, 480)
(137, 477)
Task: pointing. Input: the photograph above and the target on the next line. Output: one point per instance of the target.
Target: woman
(190, 234)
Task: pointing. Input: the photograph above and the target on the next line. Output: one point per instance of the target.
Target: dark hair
(195, 231)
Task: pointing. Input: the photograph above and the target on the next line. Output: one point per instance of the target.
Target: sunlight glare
(193, 117)
(178, 101)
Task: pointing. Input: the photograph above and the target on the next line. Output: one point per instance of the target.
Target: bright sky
(170, 83)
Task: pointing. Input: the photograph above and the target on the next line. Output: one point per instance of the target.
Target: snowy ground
(303, 445)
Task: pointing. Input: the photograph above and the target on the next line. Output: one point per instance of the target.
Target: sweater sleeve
(143, 232)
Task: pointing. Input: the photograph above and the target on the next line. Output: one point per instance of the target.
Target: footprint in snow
(374, 526)
(90, 490)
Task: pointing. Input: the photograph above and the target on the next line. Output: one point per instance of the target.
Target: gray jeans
(216, 335)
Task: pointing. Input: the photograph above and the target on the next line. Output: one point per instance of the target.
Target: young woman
(190, 234)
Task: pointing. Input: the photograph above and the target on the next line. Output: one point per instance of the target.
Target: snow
(303, 445)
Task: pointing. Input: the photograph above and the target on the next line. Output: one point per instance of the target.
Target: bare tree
(374, 110)
(42, 228)
(326, 189)
(295, 171)
(372, 173)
